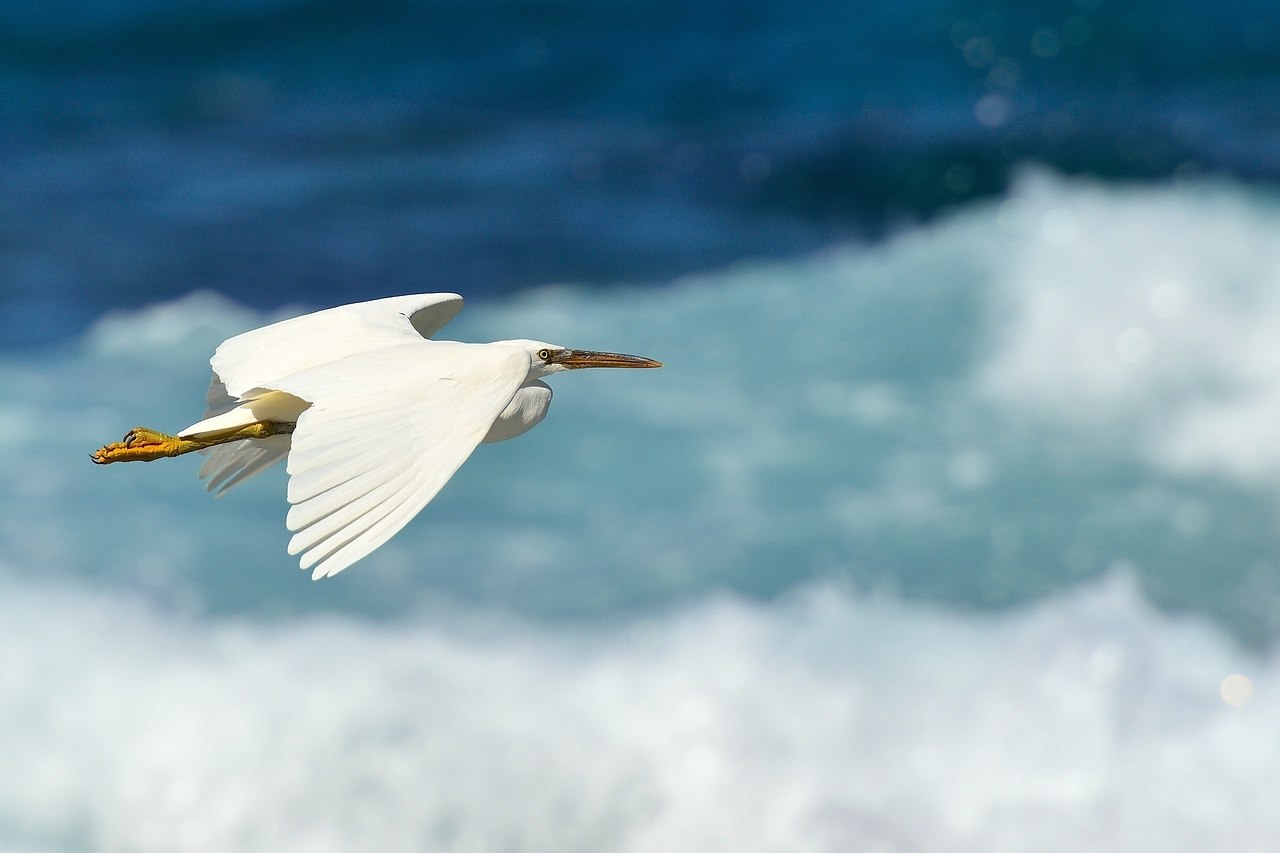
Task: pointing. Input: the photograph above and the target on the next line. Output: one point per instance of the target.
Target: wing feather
(373, 529)
(257, 358)
(369, 531)
(310, 486)
(321, 491)
(216, 400)
(229, 465)
(248, 365)
(385, 431)
(340, 517)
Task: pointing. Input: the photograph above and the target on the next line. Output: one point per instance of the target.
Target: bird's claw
(143, 437)
(138, 445)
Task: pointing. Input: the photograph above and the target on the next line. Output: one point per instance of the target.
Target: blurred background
(952, 524)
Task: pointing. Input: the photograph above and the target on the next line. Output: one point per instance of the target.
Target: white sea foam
(1156, 320)
(824, 722)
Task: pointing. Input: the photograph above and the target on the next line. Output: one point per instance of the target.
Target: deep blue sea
(951, 524)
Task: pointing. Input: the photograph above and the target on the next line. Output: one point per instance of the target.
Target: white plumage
(383, 416)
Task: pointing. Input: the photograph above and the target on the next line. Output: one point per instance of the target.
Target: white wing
(385, 431)
(251, 361)
(246, 365)
(229, 465)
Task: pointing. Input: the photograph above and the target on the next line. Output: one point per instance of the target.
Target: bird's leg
(143, 445)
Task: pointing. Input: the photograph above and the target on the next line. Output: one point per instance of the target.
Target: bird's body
(373, 416)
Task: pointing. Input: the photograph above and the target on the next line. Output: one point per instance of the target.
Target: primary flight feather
(373, 415)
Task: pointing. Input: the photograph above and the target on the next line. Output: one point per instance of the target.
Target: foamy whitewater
(966, 541)
(821, 722)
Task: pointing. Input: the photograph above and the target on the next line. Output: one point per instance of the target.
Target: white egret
(373, 415)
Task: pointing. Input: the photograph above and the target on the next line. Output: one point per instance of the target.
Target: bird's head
(546, 359)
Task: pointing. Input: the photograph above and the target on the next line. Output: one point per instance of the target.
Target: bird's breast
(525, 411)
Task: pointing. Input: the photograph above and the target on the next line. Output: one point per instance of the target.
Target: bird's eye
(544, 354)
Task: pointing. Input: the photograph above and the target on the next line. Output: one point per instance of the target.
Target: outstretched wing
(385, 431)
(257, 358)
(248, 364)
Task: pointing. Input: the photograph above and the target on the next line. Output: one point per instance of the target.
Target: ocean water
(963, 540)
(320, 149)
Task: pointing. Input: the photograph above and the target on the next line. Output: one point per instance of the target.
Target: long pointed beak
(576, 358)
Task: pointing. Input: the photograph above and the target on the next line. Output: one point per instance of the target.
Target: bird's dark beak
(576, 358)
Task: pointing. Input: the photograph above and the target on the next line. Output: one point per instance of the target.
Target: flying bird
(373, 415)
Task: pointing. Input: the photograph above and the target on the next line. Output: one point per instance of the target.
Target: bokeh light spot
(992, 110)
(1046, 42)
(979, 52)
(1236, 690)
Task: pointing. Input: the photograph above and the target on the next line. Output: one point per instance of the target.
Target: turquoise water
(960, 541)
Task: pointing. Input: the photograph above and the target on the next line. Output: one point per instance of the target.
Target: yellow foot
(141, 445)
